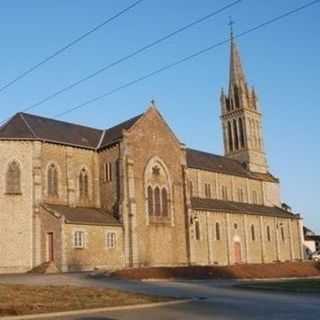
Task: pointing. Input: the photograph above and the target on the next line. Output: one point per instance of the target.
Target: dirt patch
(241, 271)
(22, 299)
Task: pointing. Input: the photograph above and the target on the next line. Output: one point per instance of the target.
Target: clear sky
(281, 61)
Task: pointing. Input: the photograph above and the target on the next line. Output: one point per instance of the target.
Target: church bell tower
(241, 118)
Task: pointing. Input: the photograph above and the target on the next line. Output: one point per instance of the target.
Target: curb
(97, 310)
(278, 279)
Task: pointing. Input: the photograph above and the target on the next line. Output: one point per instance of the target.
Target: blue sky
(281, 61)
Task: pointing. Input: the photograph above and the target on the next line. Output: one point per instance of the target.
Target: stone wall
(69, 162)
(51, 224)
(254, 248)
(162, 242)
(110, 190)
(16, 211)
(267, 193)
(95, 254)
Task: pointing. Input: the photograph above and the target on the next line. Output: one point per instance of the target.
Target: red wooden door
(237, 252)
(50, 246)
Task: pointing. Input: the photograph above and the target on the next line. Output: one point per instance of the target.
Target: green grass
(296, 286)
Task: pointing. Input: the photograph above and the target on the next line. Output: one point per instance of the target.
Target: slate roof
(24, 126)
(115, 133)
(307, 231)
(80, 215)
(312, 237)
(239, 207)
(211, 162)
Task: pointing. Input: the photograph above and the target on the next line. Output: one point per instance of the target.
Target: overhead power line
(185, 59)
(127, 57)
(68, 46)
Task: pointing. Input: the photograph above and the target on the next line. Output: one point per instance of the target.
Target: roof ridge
(123, 122)
(8, 121)
(216, 155)
(243, 207)
(101, 139)
(61, 121)
(28, 125)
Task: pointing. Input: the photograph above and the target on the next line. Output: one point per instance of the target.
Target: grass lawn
(22, 299)
(297, 286)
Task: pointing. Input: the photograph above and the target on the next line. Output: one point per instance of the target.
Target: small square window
(235, 226)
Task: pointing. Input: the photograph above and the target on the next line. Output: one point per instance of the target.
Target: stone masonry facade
(134, 195)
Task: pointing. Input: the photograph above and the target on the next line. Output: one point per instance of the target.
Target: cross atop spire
(231, 23)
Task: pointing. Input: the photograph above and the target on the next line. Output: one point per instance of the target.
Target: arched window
(157, 201)
(164, 199)
(52, 180)
(13, 178)
(150, 200)
(230, 137)
(191, 188)
(217, 231)
(268, 233)
(240, 195)
(158, 193)
(235, 132)
(254, 197)
(108, 172)
(241, 132)
(253, 234)
(228, 104)
(197, 229)
(224, 193)
(207, 190)
(83, 184)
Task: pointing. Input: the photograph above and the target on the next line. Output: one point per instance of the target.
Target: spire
(241, 117)
(237, 76)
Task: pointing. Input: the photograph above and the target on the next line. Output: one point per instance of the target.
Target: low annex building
(311, 242)
(134, 195)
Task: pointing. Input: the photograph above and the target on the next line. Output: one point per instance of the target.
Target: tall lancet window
(158, 192)
(241, 133)
(13, 178)
(164, 199)
(157, 201)
(235, 132)
(83, 184)
(52, 181)
(150, 201)
(230, 137)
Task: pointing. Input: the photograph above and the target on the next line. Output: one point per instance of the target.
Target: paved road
(222, 301)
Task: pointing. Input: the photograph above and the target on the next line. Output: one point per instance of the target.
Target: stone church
(134, 195)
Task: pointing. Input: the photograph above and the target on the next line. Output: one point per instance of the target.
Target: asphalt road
(211, 299)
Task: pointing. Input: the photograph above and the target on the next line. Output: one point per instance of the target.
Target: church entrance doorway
(50, 246)
(237, 252)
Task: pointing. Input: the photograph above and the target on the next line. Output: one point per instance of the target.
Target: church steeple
(241, 118)
(237, 76)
